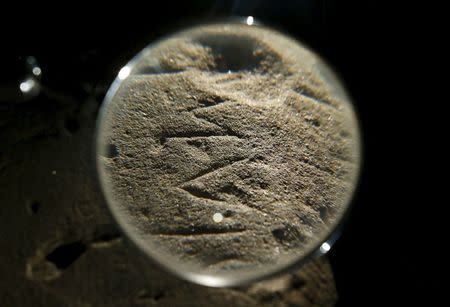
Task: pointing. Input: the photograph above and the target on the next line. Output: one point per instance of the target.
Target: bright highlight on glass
(217, 217)
(124, 72)
(325, 247)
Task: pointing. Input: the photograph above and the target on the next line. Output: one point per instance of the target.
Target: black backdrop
(380, 257)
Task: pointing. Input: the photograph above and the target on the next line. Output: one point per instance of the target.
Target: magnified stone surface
(229, 147)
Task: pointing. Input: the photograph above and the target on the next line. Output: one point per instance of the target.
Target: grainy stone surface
(237, 123)
(59, 247)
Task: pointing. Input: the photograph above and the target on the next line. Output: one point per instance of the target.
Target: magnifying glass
(228, 153)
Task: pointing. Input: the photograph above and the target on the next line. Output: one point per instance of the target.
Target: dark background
(383, 254)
